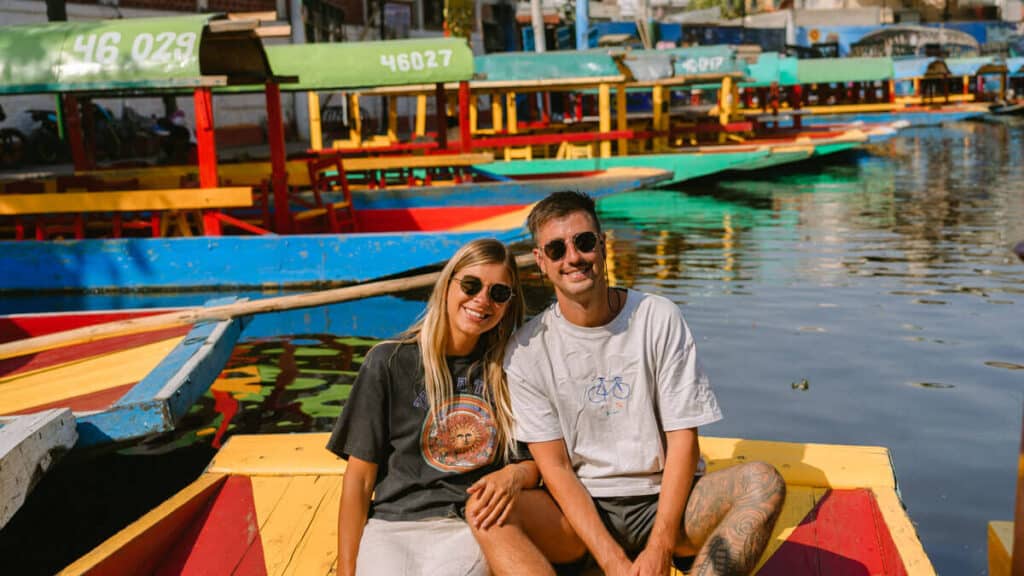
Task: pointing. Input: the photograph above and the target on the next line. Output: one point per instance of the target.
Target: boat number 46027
(416, 60)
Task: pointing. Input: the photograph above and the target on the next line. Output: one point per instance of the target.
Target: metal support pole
(207, 152)
(582, 24)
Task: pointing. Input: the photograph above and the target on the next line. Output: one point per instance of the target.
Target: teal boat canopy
(707, 61)
(527, 66)
(975, 66)
(1015, 66)
(355, 65)
(131, 55)
(772, 67)
(909, 68)
(840, 70)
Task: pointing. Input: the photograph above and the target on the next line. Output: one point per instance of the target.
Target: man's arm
(681, 454)
(553, 461)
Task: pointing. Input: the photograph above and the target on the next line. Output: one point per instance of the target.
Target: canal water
(872, 298)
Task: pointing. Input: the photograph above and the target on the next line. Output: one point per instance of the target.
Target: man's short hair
(560, 205)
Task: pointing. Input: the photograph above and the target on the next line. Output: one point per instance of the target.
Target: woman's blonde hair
(431, 334)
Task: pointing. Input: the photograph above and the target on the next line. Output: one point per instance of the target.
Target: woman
(427, 432)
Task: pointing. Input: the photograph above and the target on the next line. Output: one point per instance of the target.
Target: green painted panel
(772, 67)
(706, 60)
(332, 66)
(525, 66)
(103, 55)
(838, 70)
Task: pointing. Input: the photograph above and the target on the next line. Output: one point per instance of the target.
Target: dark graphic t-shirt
(423, 465)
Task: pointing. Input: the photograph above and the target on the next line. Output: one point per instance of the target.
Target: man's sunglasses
(471, 286)
(585, 242)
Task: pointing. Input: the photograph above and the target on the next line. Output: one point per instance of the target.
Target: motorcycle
(12, 145)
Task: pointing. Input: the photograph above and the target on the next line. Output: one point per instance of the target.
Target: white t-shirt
(610, 392)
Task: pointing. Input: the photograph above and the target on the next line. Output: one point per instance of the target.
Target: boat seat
(518, 153)
(328, 175)
(567, 150)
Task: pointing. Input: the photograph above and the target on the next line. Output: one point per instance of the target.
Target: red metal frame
(73, 132)
(465, 136)
(206, 149)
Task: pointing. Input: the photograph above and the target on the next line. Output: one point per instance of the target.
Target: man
(608, 394)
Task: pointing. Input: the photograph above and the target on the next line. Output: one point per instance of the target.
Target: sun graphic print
(464, 440)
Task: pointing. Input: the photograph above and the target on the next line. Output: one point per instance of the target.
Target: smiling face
(470, 316)
(577, 274)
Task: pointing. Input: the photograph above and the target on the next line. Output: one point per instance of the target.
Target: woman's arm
(356, 490)
(492, 497)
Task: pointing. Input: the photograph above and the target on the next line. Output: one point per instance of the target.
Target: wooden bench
(155, 206)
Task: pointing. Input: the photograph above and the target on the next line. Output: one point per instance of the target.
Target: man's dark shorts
(630, 519)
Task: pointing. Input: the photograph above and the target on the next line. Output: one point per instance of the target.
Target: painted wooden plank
(66, 381)
(824, 465)
(436, 219)
(1000, 547)
(29, 446)
(318, 551)
(903, 533)
(18, 326)
(800, 500)
(130, 201)
(90, 402)
(277, 454)
(292, 518)
(221, 538)
(166, 393)
(138, 548)
(22, 366)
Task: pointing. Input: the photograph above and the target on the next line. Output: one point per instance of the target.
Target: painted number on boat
(416, 60)
(703, 64)
(146, 48)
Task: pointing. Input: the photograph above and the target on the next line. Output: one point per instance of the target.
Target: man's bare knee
(763, 483)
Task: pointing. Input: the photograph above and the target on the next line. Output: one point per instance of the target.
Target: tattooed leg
(729, 518)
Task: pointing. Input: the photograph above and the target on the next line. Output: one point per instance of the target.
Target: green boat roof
(530, 67)
(772, 67)
(838, 70)
(355, 65)
(136, 55)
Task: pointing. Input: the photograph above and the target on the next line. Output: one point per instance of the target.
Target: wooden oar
(224, 312)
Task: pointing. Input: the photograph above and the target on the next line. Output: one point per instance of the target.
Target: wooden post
(421, 115)
(207, 152)
(892, 90)
(474, 114)
(1017, 554)
(355, 120)
(465, 134)
(658, 105)
(440, 115)
(605, 118)
(513, 120)
(621, 122)
(392, 119)
(278, 163)
(966, 84)
(316, 135)
(497, 113)
(73, 135)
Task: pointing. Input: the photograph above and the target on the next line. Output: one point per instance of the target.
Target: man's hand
(655, 560)
(493, 497)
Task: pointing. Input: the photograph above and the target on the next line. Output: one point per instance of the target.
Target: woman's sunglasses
(471, 286)
(584, 242)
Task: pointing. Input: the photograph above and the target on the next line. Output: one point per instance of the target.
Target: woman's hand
(492, 497)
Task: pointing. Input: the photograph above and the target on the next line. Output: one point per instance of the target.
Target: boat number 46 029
(416, 60)
(146, 48)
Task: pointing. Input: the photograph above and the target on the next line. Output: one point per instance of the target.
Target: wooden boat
(119, 388)
(396, 230)
(268, 504)
(1000, 548)
(29, 445)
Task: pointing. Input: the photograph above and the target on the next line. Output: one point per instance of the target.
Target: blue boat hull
(921, 118)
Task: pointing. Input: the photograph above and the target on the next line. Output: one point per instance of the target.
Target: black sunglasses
(471, 286)
(584, 242)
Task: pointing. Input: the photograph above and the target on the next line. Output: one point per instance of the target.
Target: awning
(975, 66)
(529, 66)
(772, 67)
(907, 68)
(137, 55)
(840, 70)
